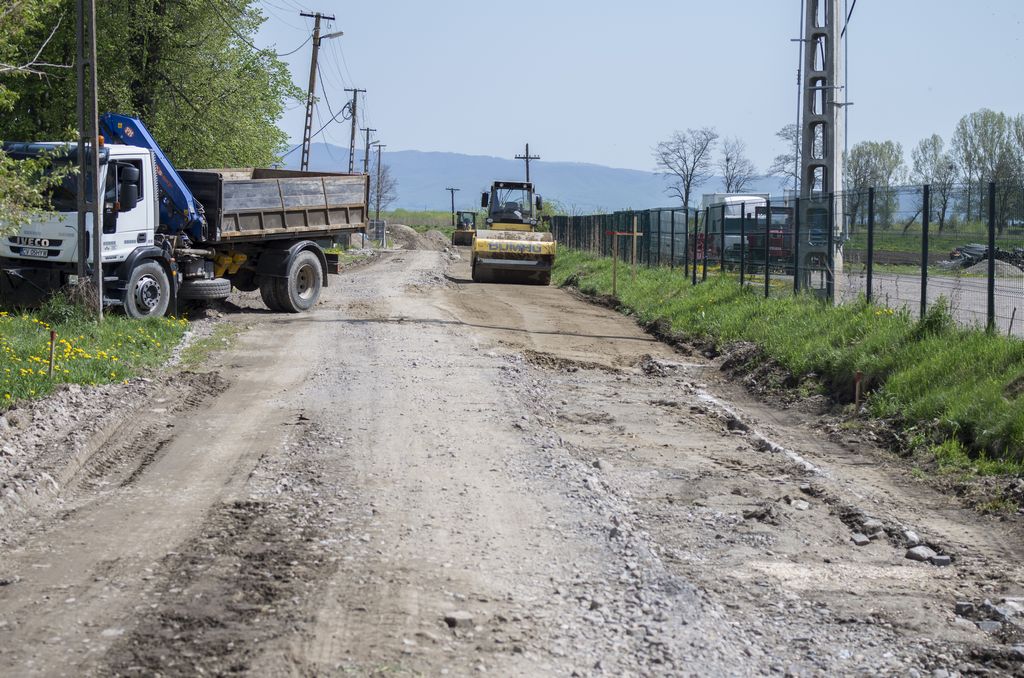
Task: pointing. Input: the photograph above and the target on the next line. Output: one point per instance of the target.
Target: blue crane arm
(179, 209)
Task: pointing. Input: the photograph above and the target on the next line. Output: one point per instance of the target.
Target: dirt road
(427, 476)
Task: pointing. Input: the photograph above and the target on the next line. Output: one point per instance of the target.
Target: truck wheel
(201, 289)
(268, 291)
(301, 289)
(148, 293)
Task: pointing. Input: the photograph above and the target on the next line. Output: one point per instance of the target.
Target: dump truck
(465, 226)
(511, 248)
(170, 235)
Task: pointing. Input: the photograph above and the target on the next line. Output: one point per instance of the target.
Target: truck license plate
(33, 252)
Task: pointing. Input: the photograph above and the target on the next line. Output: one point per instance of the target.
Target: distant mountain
(423, 175)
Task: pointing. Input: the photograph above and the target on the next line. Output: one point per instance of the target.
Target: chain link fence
(901, 247)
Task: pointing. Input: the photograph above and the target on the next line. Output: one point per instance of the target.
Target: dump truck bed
(246, 205)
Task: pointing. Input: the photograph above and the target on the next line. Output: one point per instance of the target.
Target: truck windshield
(511, 203)
(63, 197)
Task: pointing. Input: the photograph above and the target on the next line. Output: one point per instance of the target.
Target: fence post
(657, 260)
(830, 280)
(696, 226)
(743, 242)
(704, 245)
(991, 256)
(796, 246)
(871, 242)
(721, 252)
(767, 247)
(672, 242)
(926, 201)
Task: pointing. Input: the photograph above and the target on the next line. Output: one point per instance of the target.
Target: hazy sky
(603, 81)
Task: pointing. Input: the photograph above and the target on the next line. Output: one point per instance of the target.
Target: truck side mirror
(483, 199)
(128, 196)
(540, 204)
(128, 188)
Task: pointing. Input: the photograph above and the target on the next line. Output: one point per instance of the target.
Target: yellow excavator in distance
(465, 226)
(510, 248)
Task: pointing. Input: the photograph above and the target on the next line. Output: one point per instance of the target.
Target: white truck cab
(54, 237)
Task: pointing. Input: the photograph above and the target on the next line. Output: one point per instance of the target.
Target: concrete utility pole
(452, 191)
(527, 158)
(307, 134)
(366, 149)
(824, 120)
(89, 150)
(355, 124)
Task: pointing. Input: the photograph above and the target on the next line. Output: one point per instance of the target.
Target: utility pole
(89, 150)
(822, 128)
(377, 191)
(366, 149)
(452, 191)
(311, 93)
(527, 158)
(355, 124)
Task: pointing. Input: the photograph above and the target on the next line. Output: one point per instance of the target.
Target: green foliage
(185, 67)
(960, 384)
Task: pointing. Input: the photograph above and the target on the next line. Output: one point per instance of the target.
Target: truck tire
(301, 289)
(202, 289)
(148, 293)
(268, 291)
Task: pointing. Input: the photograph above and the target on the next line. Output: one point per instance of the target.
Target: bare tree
(736, 168)
(686, 159)
(384, 193)
(784, 165)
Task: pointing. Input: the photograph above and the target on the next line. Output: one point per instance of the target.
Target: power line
(237, 34)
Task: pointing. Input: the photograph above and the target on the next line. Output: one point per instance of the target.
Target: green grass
(958, 384)
(86, 352)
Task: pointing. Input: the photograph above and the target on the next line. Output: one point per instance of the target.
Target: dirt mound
(1003, 269)
(435, 240)
(404, 237)
(408, 239)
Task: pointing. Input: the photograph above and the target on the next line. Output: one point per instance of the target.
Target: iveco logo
(31, 242)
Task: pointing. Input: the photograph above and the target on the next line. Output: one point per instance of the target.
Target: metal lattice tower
(822, 131)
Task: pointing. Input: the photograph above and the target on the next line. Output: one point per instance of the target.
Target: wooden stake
(53, 343)
(615, 263)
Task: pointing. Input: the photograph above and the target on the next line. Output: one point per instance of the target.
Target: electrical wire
(237, 34)
(849, 14)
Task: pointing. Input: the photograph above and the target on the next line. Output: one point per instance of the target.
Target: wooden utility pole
(527, 158)
(452, 191)
(366, 149)
(355, 126)
(307, 134)
(89, 190)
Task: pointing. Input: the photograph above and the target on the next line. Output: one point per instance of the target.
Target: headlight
(490, 221)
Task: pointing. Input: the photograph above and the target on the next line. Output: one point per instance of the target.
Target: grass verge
(86, 352)
(958, 391)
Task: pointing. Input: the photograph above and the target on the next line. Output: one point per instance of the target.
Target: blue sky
(602, 82)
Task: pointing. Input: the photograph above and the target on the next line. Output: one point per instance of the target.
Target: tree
(785, 164)
(22, 183)
(932, 165)
(983, 146)
(686, 159)
(384, 193)
(877, 164)
(187, 68)
(736, 168)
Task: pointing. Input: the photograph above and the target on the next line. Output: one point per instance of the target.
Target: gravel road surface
(424, 476)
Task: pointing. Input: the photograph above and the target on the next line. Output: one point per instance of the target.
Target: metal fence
(901, 248)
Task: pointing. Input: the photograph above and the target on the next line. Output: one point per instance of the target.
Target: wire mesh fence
(904, 247)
